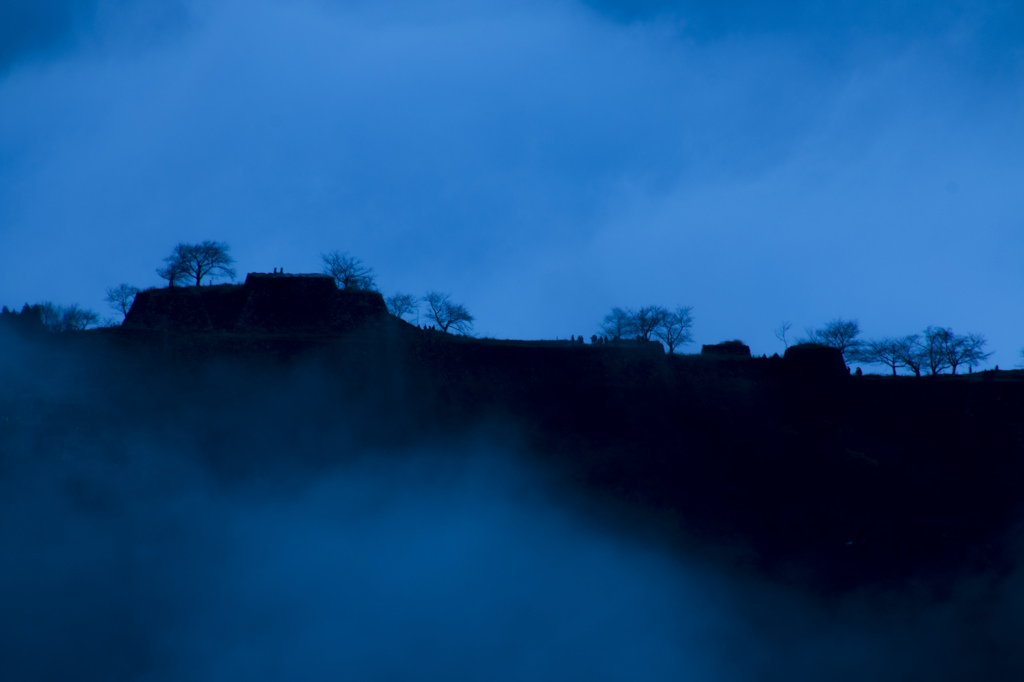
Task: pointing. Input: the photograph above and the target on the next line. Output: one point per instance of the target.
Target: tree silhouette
(618, 324)
(121, 297)
(51, 316)
(646, 320)
(446, 314)
(912, 353)
(674, 327)
(66, 319)
(401, 305)
(936, 340)
(74, 318)
(173, 272)
(914, 361)
(839, 333)
(196, 261)
(348, 272)
(966, 350)
(887, 351)
(937, 350)
(30, 319)
(781, 330)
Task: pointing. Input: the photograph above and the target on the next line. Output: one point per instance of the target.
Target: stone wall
(813, 359)
(727, 349)
(264, 303)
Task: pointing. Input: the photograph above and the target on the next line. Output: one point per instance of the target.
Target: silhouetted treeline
(932, 352)
(49, 317)
(672, 327)
(29, 319)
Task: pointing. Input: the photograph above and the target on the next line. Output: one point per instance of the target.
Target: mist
(152, 571)
(267, 540)
(544, 162)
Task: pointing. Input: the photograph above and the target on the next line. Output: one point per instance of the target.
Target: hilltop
(275, 302)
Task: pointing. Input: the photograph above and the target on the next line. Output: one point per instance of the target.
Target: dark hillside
(831, 480)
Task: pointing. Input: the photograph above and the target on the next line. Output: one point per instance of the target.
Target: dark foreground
(827, 484)
(842, 480)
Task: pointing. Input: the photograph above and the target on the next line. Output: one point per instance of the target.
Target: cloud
(44, 29)
(496, 132)
(843, 21)
(27, 25)
(503, 152)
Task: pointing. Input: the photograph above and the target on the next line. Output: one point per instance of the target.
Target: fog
(148, 570)
(181, 546)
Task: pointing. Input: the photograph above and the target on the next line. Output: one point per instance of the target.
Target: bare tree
(942, 348)
(888, 351)
(348, 272)
(121, 297)
(66, 319)
(965, 350)
(173, 272)
(781, 330)
(49, 315)
(401, 305)
(647, 319)
(618, 324)
(448, 315)
(841, 334)
(912, 353)
(675, 327)
(935, 347)
(196, 261)
(74, 318)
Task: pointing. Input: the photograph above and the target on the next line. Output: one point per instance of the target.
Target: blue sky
(541, 161)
